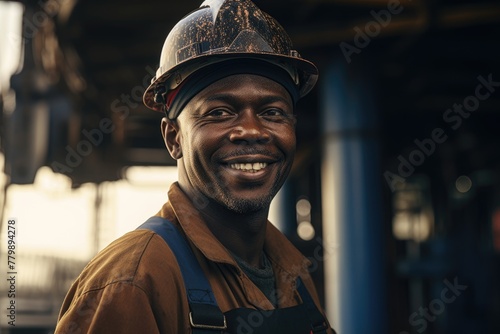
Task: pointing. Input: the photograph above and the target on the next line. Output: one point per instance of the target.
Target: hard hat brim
(307, 72)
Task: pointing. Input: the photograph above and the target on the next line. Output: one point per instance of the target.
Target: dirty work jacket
(135, 285)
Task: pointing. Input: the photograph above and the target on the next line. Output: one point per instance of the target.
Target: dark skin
(235, 143)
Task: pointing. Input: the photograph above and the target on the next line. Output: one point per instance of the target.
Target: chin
(247, 205)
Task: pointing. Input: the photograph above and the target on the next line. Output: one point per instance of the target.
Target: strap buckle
(203, 326)
(319, 328)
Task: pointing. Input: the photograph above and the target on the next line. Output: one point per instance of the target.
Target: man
(228, 82)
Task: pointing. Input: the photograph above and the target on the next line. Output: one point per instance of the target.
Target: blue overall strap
(318, 321)
(205, 315)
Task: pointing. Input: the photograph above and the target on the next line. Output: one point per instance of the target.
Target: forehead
(245, 85)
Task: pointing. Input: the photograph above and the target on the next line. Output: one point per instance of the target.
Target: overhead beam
(450, 18)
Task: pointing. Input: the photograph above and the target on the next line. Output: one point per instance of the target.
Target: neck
(243, 234)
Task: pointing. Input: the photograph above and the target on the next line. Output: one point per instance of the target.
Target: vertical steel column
(351, 195)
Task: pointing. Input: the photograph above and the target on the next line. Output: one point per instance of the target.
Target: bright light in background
(51, 220)
(55, 220)
(303, 207)
(141, 196)
(305, 229)
(463, 184)
(11, 14)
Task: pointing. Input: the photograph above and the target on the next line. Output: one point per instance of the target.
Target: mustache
(251, 151)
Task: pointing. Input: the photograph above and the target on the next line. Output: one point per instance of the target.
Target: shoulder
(139, 258)
(125, 287)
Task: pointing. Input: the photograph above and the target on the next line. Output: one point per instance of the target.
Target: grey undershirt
(263, 277)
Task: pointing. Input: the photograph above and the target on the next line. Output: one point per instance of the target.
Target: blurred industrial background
(394, 194)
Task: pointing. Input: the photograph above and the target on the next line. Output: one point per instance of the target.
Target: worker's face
(235, 142)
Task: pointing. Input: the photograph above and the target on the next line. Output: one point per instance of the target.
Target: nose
(249, 129)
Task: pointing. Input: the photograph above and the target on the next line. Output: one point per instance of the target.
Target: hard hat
(220, 31)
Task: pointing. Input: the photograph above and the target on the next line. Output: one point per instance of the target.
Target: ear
(171, 136)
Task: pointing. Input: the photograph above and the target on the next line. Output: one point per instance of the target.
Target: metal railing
(41, 284)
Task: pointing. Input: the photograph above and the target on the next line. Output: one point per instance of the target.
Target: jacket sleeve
(120, 307)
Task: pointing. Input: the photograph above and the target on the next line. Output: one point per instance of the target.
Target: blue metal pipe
(352, 213)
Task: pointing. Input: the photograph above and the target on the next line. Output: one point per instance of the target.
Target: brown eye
(218, 113)
(275, 112)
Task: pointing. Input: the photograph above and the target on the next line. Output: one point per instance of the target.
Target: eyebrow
(229, 98)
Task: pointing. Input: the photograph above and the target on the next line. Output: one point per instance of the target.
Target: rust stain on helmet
(221, 30)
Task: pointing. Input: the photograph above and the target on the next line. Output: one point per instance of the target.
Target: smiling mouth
(249, 167)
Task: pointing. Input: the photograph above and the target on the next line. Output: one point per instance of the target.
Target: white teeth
(250, 167)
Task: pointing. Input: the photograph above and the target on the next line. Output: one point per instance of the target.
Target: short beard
(246, 206)
(242, 205)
